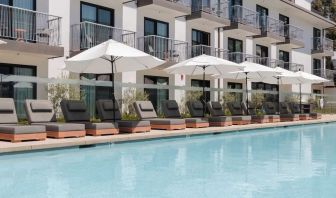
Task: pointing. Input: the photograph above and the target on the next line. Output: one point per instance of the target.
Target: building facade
(284, 33)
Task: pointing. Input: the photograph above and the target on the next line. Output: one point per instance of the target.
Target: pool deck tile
(8, 147)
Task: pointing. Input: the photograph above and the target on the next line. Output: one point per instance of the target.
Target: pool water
(279, 162)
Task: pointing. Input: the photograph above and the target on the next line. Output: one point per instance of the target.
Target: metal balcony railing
(271, 25)
(87, 34)
(294, 67)
(186, 3)
(330, 74)
(29, 26)
(197, 50)
(218, 8)
(322, 44)
(239, 14)
(239, 57)
(294, 33)
(163, 48)
(319, 72)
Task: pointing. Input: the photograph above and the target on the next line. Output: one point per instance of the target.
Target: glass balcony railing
(294, 67)
(29, 26)
(239, 14)
(239, 57)
(163, 48)
(186, 3)
(322, 44)
(197, 50)
(294, 33)
(87, 34)
(217, 8)
(271, 25)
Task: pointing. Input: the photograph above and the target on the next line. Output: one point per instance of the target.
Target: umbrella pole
(247, 99)
(204, 95)
(300, 99)
(112, 80)
(278, 92)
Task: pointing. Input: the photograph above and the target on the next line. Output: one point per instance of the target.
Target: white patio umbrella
(111, 57)
(2, 42)
(253, 71)
(202, 65)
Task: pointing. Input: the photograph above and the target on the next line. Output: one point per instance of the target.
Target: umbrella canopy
(2, 42)
(111, 57)
(253, 72)
(202, 65)
(310, 78)
(97, 60)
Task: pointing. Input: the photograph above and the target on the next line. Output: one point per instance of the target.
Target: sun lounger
(170, 109)
(75, 111)
(9, 128)
(146, 111)
(238, 117)
(41, 112)
(295, 109)
(286, 115)
(105, 110)
(253, 113)
(217, 116)
(271, 111)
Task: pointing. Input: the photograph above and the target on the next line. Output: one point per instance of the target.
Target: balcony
(197, 50)
(293, 37)
(322, 47)
(214, 13)
(272, 30)
(170, 50)
(30, 31)
(239, 57)
(294, 67)
(330, 74)
(178, 7)
(86, 35)
(244, 22)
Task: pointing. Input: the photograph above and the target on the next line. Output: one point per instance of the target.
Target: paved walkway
(7, 147)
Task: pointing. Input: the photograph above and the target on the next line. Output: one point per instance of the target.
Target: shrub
(189, 96)
(131, 95)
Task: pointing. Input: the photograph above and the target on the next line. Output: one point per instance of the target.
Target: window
(317, 42)
(317, 67)
(26, 4)
(238, 86)
(199, 83)
(262, 52)
(156, 46)
(263, 13)
(156, 96)
(235, 48)
(20, 91)
(267, 87)
(97, 14)
(200, 41)
(92, 93)
(329, 63)
(285, 20)
(284, 56)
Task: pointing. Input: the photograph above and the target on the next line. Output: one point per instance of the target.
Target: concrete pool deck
(8, 147)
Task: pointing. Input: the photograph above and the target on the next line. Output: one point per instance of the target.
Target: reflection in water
(291, 162)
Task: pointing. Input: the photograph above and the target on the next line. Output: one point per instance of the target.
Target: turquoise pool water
(284, 162)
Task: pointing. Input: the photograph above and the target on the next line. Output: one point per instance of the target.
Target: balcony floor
(176, 8)
(210, 19)
(241, 29)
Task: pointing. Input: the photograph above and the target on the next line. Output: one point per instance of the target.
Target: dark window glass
(25, 4)
(235, 48)
(263, 13)
(156, 96)
(157, 28)
(284, 56)
(200, 38)
(262, 52)
(267, 87)
(238, 95)
(317, 67)
(97, 14)
(285, 19)
(199, 83)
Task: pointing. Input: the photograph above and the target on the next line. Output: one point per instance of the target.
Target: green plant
(229, 97)
(126, 116)
(227, 112)
(58, 92)
(292, 99)
(131, 95)
(259, 112)
(257, 100)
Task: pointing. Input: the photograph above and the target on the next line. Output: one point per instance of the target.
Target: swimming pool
(280, 162)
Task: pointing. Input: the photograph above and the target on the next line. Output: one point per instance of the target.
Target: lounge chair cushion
(284, 108)
(62, 127)
(22, 129)
(39, 111)
(195, 108)
(241, 118)
(7, 111)
(107, 110)
(132, 124)
(269, 108)
(75, 111)
(295, 108)
(41, 106)
(235, 108)
(215, 109)
(159, 121)
(170, 109)
(195, 120)
(144, 109)
(220, 119)
(100, 125)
